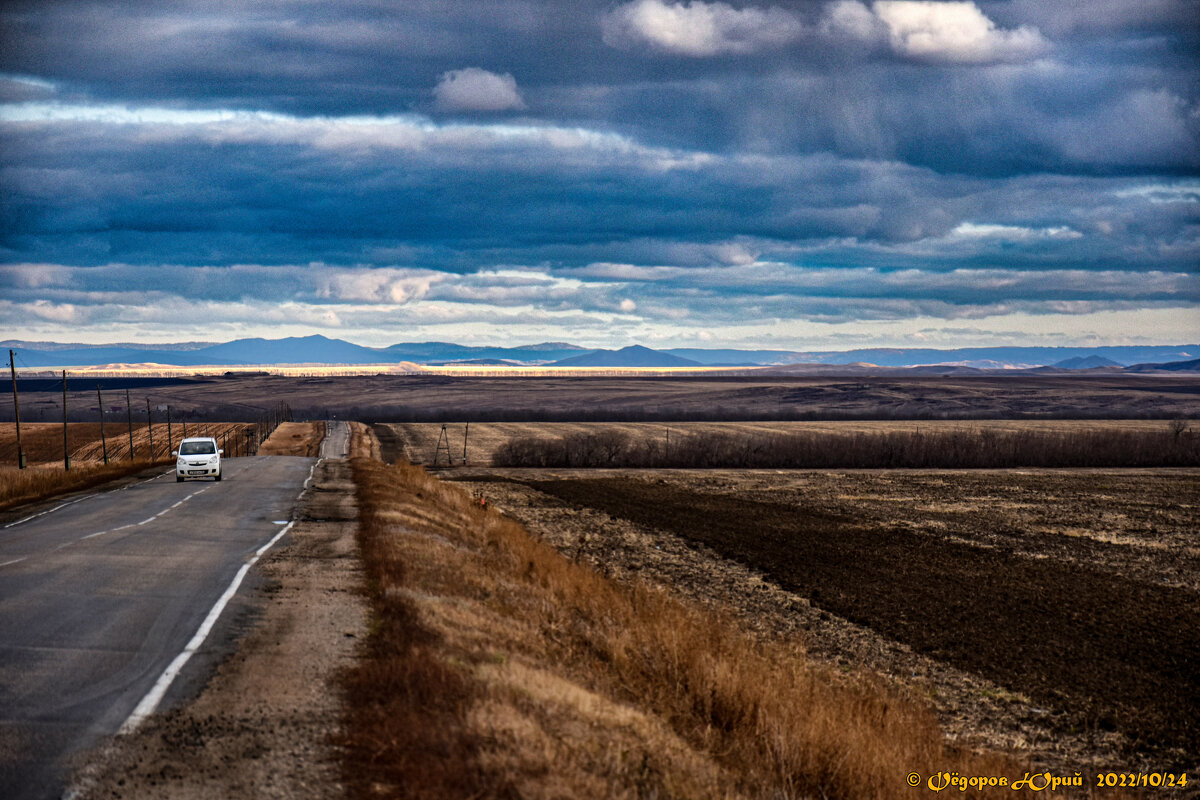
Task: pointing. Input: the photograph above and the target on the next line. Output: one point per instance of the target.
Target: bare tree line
(1175, 445)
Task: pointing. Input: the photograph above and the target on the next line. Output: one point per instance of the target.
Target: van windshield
(197, 448)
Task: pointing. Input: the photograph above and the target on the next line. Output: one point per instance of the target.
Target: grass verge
(19, 486)
(496, 667)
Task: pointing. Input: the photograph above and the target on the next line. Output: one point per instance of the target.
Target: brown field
(43, 444)
(1053, 614)
(418, 397)
(294, 439)
(417, 442)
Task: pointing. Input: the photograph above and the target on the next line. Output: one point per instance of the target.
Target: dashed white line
(110, 530)
(49, 510)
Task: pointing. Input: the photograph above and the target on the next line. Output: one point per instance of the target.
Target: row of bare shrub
(984, 448)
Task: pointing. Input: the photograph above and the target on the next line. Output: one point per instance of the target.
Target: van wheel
(218, 477)
(179, 479)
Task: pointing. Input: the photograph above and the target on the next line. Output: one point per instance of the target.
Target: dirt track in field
(1078, 591)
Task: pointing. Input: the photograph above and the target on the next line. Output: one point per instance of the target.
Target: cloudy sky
(788, 175)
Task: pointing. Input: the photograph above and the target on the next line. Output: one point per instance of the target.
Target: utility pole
(466, 431)
(16, 410)
(129, 421)
(150, 428)
(443, 441)
(170, 441)
(66, 453)
(103, 441)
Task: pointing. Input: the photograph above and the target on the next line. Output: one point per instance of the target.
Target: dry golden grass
(363, 443)
(499, 668)
(294, 439)
(20, 486)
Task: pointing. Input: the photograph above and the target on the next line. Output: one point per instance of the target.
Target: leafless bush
(955, 449)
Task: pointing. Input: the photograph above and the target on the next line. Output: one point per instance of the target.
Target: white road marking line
(150, 702)
(49, 510)
(130, 525)
(14, 561)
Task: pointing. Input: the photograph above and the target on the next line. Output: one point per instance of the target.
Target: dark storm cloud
(428, 152)
(286, 190)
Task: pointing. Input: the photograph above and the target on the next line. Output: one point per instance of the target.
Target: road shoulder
(262, 725)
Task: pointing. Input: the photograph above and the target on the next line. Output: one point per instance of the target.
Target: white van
(198, 457)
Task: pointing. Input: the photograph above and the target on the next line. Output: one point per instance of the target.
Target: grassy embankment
(496, 667)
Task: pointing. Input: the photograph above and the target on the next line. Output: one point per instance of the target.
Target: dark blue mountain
(632, 356)
(323, 350)
(293, 350)
(1086, 362)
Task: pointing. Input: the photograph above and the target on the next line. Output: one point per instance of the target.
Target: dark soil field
(1073, 597)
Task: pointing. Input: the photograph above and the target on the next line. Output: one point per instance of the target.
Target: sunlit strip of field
(403, 368)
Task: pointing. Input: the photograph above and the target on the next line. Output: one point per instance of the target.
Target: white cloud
(954, 32)
(928, 30)
(375, 286)
(474, 89)
(699, 29)
(1012, 233)
(35, 276)
(146, 125)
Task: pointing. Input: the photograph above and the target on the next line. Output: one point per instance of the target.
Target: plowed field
(1052, 612)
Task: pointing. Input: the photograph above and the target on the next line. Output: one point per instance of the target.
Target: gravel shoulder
(261, 727)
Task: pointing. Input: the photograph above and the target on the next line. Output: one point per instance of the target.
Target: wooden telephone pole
(66, 453)
(16, 410)
(129, 422)
(103, 441)
(150, 428)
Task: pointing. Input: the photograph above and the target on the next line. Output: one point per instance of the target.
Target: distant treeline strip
(1174, 446)
(900, 412)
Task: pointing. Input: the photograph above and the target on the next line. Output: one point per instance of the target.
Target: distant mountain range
(323, 350)
(633, 356)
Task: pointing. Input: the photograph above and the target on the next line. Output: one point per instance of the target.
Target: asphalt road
(336, 443)
(98, 597)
